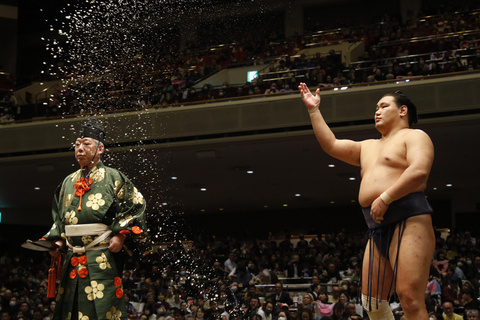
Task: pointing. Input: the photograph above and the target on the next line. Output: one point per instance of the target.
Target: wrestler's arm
(419, 155)
(345, 150)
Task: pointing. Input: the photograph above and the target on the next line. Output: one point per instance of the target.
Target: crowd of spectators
(225, 279)
(444, 43)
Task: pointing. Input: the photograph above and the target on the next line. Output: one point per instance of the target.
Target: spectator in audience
(233, 294)
(266, 311)
(264, 275)
(199, 315)
(241, 275)
(472, 314)
(305, 314)
(280, 296)
(469, 300)
(451, 292)
(315, 290)
(306, 303)
(344, 297)
(296, 268)
(448, 313)
(127, 281)
(334, 297)
(253, 307)
(230, 263)
(323, 297)
(339, 312)
(436, 316)
(351, 312)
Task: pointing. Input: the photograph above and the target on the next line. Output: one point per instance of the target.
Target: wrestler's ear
(403, 110)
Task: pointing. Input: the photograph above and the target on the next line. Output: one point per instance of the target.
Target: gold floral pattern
(95, 291)
(136, 196)
(119, 189)
(86, 240)
(82, 317)
(76, 175)
(103, 261)
(70, 218)
(60, 291)
(114, 314)
(98, 174)
(128, 219)
(95, 201)
(67, 200)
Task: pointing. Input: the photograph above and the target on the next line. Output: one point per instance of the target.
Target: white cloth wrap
(74, 230)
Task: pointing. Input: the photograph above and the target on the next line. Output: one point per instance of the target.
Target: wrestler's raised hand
(378, 210)
(311, 101)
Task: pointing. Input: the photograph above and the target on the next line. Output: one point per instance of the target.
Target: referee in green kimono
(98, 214)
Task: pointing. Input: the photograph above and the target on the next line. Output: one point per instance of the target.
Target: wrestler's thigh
(416, 251)
(378, 269)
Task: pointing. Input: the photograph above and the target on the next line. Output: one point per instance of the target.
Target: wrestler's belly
(373, 185)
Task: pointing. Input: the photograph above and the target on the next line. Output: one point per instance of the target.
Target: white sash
(100, 229)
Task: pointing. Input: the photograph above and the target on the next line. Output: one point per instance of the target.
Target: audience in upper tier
(447, 42)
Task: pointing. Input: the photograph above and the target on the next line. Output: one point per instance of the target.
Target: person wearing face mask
(282, 315)
(233, 294)
(266, 311)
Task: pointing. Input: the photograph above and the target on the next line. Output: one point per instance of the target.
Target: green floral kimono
(90, 285)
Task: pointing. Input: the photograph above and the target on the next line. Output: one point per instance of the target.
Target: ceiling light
(285, 205)
(351, 178)
(449, 184)
(332, 202)
(265, 206)
(221, 209)
(435, 188)
(174, 178)
(331, 166)
(37, 188)
(203, 189)
(164, 204)
(297, 194)
(249, 171)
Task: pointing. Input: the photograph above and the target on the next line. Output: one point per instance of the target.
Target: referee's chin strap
(378, 310)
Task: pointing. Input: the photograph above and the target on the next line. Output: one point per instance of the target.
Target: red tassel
(59, 267)
(53, 275)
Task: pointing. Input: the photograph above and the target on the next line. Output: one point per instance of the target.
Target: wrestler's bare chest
(382, 162)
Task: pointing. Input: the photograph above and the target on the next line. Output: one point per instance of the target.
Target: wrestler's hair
(403, 100)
